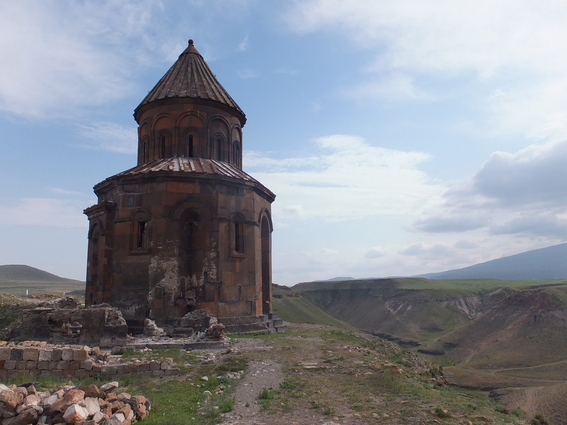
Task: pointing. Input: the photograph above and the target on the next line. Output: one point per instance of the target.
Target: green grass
(467, 285)
(176, 400)
(299, 310)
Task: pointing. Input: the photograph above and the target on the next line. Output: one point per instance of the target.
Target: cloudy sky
(401, 137)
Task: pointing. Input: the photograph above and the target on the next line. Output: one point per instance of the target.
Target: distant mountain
(15, 279)
(540, 264)
(340, 278)
(20, 272)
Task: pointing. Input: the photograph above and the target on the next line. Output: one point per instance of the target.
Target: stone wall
(69, 361)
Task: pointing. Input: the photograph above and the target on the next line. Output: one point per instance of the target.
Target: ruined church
(186, 228)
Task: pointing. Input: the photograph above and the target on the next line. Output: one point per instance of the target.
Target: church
(186, 228)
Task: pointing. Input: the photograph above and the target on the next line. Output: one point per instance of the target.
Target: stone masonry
(70, 361)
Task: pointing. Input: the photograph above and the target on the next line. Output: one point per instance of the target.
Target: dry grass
(339, 375)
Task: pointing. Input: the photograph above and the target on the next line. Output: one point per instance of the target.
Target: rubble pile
(91, 405)
(62, 321)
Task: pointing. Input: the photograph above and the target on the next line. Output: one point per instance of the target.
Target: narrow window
(162, 146)
(190, 231)
(219, 149)
(140, 242)
(238, 235)
(237, 241)
(190, 146)
(236, 154)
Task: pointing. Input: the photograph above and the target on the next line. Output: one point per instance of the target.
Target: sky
(400, 137)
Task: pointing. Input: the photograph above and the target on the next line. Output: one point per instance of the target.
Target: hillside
(539, 264)
(494, 333)
(292, 307)
(411, 310)
(15, 279)
(518, 329)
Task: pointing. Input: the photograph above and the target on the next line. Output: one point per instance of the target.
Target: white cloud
(247, 74)
(508, 57)
(395, 88)
(442, 35)
(536, 175)
(43, 212)
(243, 46)
(347, 178)
(62, 54)
(428, 252)
(521, 193)
(375, 252)
(112, 137)
(65, 192)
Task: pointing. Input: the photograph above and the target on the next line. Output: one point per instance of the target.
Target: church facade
(186, 228)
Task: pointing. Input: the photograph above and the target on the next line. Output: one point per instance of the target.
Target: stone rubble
(70, 405)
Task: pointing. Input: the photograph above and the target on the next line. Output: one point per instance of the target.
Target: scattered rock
(68, 405)
(110, 386)
(75, 413)
(215, 331)
(151, 329)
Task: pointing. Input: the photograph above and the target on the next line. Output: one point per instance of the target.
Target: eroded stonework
(64, 322)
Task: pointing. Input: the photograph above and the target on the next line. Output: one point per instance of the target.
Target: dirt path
(266, 368)
(261, 374)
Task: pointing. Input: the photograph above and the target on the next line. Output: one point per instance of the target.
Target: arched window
(141, 235)
(190, 147)
(236, 153)
(161, 146)
(219, 148)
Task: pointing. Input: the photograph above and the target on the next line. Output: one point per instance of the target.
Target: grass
(356, 374)
(299, 310)
(176, 400)
(466, 285)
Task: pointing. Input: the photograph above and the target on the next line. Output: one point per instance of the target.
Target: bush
(442, 413)
(539, 419)
(266, 394)
(500, 408)
(226, 406)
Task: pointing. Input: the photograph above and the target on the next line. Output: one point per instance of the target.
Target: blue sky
(401, 137)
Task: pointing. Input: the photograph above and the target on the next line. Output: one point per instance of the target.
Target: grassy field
(467, 285)
(292, 307)
(329, 375)
(24, 280)
(21, 289)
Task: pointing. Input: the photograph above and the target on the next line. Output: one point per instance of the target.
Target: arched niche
(236, 147)
(218, 139)
(163, 131)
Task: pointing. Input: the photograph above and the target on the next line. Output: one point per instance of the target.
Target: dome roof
(190, 77)
(186, 167)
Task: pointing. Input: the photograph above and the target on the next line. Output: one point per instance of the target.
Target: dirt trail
(261, 374)
(266, 370)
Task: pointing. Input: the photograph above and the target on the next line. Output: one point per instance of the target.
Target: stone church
(186, 228)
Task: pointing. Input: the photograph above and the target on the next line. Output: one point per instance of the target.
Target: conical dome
(190, 77)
